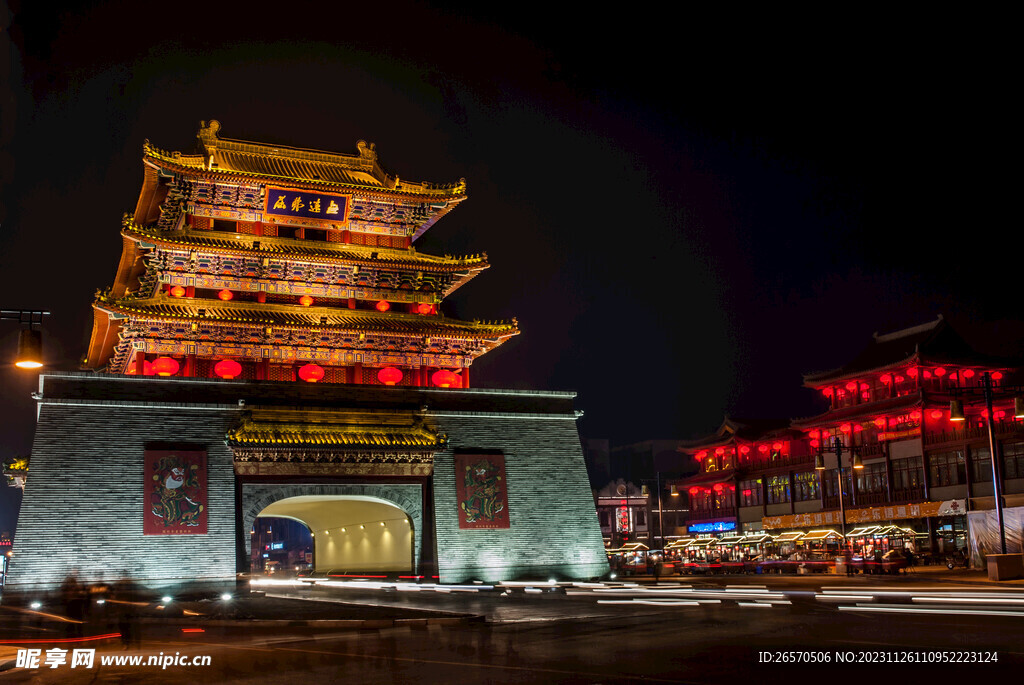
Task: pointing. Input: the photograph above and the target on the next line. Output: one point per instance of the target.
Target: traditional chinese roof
(355, 320)
(326, 428)
(892, 405)
(747, 430)
(223, 157)
(322, 252)
(931, 343)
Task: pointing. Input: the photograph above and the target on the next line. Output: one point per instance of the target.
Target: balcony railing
(1002, 429)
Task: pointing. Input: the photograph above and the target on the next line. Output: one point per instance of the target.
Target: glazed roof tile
(931, 343)
(356, 320)
(227, 157)
(332, 429)
(286, 248)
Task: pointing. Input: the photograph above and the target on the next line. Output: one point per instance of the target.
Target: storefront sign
(175, 487)
(713, 527)
(481, 490)
(306, 205)
(895, 512)
(900, 435)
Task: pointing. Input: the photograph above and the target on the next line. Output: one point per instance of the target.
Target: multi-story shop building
(889, 408)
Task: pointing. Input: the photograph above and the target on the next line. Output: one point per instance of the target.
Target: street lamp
(857, 463)
(30, 341)
(956, 413)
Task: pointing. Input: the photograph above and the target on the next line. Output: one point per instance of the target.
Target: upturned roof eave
(859, 410)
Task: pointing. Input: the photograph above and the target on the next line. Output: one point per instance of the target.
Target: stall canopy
(789, 537)
(822, 536)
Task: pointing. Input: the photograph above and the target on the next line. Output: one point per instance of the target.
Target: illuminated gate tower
(271, 263)
(273, 345)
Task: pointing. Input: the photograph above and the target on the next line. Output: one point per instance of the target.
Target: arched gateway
(271, 333)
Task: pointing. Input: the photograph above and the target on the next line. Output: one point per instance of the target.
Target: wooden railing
(1002, 429)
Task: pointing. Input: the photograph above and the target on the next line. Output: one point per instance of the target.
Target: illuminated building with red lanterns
(260, 262)
(890, 409)
(272, 347)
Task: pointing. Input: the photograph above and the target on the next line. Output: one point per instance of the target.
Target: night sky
(684, 211)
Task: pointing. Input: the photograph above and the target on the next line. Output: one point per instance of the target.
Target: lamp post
(956, 413)
(856, 463)
(30, 342)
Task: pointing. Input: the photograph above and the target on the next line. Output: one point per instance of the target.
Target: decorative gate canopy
(316, 442)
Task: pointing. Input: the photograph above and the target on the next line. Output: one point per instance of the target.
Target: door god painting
(175, 493)
(482, 491)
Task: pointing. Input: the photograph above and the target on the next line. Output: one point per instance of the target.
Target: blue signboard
(276, 545)
(307, 205)
(713, 527)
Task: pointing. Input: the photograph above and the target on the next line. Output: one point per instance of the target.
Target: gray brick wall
(554, 529)
(83, 501)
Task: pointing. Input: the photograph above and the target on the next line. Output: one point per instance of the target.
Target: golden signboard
(867, 515)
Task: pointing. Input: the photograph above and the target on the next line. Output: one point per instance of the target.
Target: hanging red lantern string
(383, 306)
(305, 300)
(424, 308)
(177, 291)
(225, 294)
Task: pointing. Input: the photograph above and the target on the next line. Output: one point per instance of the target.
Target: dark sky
(685, 211)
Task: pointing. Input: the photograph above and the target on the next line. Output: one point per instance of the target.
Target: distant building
(890, 406)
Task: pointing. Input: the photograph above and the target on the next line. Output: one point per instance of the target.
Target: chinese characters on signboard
(481, 490)
(306, 205)
(175, 493)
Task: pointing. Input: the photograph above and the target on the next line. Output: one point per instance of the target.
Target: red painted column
(190, 291)
(140, 363)
(357, 373)
(351, 303)
(261, 296)
(190, 366)
(465, 377)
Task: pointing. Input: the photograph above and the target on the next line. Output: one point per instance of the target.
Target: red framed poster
(175, 487)
(482, 491)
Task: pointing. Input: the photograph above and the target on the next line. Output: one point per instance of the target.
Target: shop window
(778, 489)
(750, 493)
(907, 474)
(805, 486)
(872, 477)
(946, 468)
(1013, 460)
(981, 465)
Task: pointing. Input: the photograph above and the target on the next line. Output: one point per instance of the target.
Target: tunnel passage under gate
(352, 533)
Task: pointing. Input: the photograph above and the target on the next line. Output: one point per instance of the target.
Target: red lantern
(899, 379)
(827, 392)
(997, 376)
(940, 372)
(225, 294)
(912, 372)
(423, 308)
(700, 455)
(445, 379)
(915, 415)
(311, 373)
(383, 306)
(745, 449)
(777, 446)
(177, 291)
(694, 491)
(927, 373)
(851, 386)
(227, 369)
(305, 300)
(880, 423)
(389, 375)
(967, 373)
(857, 428)
(1000, 414)
(815, 443)
(720, 451)
(762, 448)
(165, 366)
(147, 369)
(936, 414)
(885, 378)
(845, 428)
(719, 487)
